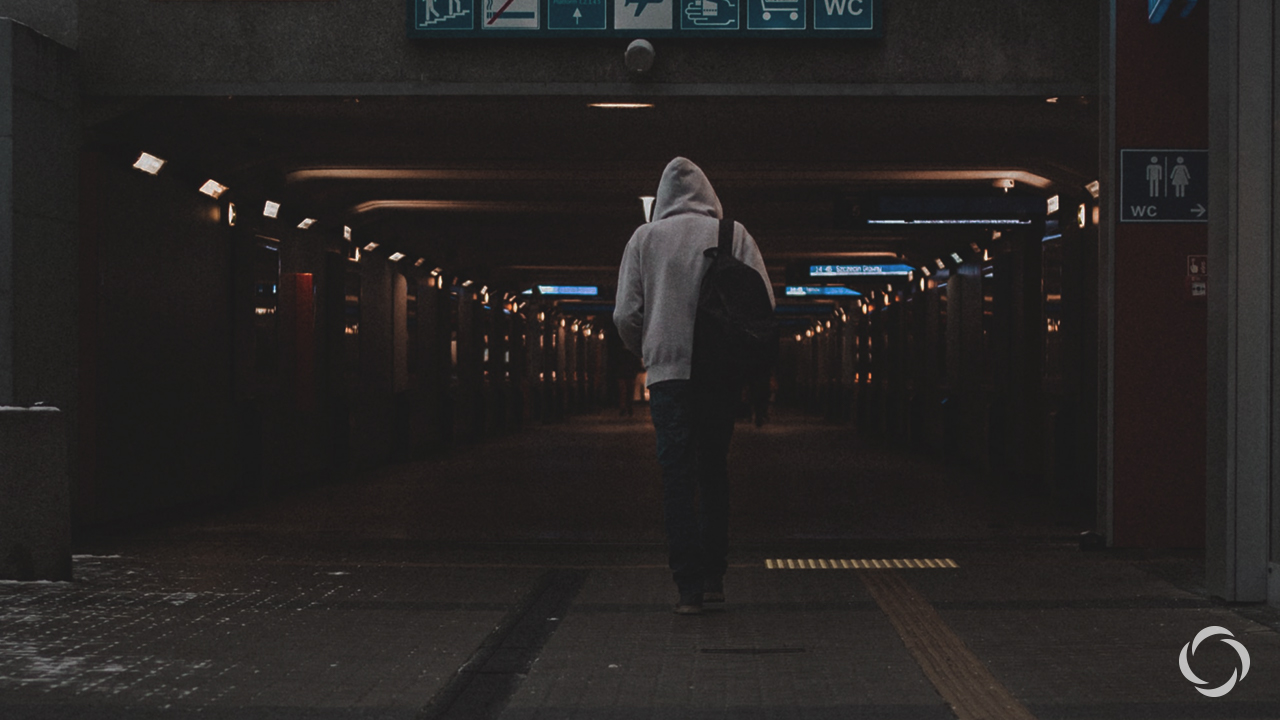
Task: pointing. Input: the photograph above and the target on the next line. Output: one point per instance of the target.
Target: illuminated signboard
(819, 290)
(579, 290)
(868, 271)
(644, 18)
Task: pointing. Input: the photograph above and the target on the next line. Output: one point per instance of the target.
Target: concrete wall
(361, 46)
(56, 19)
(39, 177)
(39, 141)
(163, 386)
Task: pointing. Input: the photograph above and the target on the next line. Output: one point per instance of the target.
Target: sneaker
(689, 605)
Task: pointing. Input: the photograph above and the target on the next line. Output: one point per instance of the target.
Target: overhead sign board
(859, 271)
(1164, 186)
(647, 18)
(581, 290)
(820, 291)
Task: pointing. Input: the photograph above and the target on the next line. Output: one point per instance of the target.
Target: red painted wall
(1162, 76)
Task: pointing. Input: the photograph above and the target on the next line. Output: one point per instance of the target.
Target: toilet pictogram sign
(1164, 185)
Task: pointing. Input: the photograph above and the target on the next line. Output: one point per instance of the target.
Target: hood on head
(685, 189)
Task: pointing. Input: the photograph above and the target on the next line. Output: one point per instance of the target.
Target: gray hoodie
(662, 271)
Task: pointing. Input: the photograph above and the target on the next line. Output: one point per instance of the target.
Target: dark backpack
(735, 335)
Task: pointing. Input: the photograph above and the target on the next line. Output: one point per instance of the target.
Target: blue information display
(850, 271)
(580, 290)
(1164, 186)
(644, 18)
(820, 291)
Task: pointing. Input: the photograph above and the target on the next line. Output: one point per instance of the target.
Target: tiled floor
(522, 580)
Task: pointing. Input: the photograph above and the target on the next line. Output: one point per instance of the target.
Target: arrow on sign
(1199, 210)
(577, 16)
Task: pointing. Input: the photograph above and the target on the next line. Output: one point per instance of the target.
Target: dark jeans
(693, 424)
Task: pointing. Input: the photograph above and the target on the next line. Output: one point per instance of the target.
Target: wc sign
(843, 15)
(1164, 186)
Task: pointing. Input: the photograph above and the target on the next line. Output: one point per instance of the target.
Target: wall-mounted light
(647, 200)
(1052, 204)
(231, 214)
(1005, 184)
(1080, 216)
(148, 163)
(213, 189)
(542, 317)
(271, 209)
(1095, 190)
(808, 333)
(346, 233)
(620, 105)
(306, 223)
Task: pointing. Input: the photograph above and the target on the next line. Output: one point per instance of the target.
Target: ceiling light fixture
(396, 257)
(346, 233)
(306, 223)
(620, 105)
(371, 247)
(271, 209)
(213, 189)
(148, 163)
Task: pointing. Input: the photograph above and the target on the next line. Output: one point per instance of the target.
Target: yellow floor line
(960, 677)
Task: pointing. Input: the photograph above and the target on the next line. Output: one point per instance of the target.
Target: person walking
(657, 301)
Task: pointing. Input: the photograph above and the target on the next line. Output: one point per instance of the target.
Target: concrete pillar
(1243, 480)
(967, 421)
(35, 504)
(399, 333)
(470, 399)
(432, 340)
(39, 176)
(374, 407)
(534, 365)
(39, 293)
(1155, 339)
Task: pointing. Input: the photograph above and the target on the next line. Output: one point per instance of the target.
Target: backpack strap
(725, 245)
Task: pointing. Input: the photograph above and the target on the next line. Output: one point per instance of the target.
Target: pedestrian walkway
(522, 580)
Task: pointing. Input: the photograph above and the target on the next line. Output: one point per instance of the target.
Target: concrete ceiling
(518, 190)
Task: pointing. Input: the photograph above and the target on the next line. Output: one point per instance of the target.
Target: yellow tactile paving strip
(960, 677)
